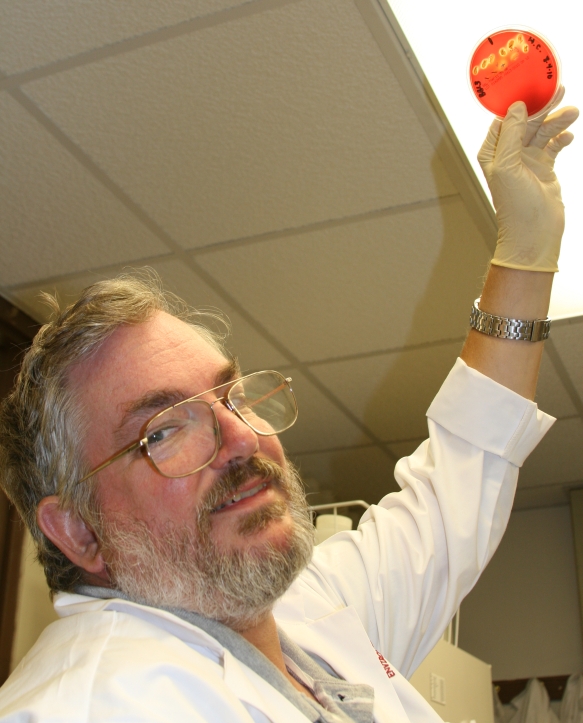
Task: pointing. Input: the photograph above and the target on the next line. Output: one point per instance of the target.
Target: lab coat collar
(320, 637)
(72, 604)
(249, 687)
(329, 637)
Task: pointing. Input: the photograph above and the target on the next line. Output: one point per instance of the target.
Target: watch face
(510, 65)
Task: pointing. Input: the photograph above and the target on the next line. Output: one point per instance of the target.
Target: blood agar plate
(514, 64)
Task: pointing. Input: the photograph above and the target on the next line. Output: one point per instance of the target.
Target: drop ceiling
(284, 161)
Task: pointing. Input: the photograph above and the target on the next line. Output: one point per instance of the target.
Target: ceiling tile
(551, 396)
(547, 496)
(558, 459)
(378, 284)
(277, 120)
(568, 341)
(320, 425)
(406, 447)
(28, 298)
(391, 392)
(56, 218)
(264, 124)
(362, 473)
(35, 32)
(252, 350)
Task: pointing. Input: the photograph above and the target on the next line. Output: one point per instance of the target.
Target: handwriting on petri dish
(513, 65)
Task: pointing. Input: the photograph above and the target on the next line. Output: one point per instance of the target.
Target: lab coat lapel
(242, 681)
(254, 691)
(340, 639)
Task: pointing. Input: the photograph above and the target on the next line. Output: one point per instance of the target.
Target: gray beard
(183, 567)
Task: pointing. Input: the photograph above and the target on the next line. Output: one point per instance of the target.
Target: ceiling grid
(282, 160)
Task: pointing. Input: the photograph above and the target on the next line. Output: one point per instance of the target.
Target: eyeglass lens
(265, 402)
(183, 439)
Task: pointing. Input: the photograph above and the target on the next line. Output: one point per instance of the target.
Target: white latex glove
(518, 159)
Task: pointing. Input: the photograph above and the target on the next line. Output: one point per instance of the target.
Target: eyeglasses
(186, 437)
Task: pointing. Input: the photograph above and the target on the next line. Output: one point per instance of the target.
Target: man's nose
(238, 441)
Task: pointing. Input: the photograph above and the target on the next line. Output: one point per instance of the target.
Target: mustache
(236, 476)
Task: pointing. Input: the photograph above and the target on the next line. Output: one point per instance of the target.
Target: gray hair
(41, 422)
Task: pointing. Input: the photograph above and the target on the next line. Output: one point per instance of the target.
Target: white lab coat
(395, 582)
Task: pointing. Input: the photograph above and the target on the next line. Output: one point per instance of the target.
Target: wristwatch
(503, 328)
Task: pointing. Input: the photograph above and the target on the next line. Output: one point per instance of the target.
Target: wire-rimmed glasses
(186, 437)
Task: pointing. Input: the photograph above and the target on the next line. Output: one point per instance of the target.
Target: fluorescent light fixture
(443, 35)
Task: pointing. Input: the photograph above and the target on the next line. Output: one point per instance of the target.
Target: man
(175, 533)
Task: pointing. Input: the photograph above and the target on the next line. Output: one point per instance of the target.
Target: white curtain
(532, 705)
(572, 703)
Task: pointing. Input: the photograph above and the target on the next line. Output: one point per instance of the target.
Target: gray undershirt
(341, 702)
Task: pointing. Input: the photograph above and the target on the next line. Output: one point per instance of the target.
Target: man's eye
(241, 402)
(156, 436)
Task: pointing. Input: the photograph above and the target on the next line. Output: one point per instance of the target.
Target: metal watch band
(503, 328)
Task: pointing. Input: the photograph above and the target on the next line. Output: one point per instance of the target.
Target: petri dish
(514, 64)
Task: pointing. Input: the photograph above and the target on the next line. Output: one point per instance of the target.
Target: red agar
(511, 65)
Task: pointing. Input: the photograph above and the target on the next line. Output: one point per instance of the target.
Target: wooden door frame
(11, 546)
(17, 330)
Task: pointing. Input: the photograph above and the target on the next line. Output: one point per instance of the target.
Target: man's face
(139, 371)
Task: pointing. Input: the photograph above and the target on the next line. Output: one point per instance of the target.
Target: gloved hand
(518, 158)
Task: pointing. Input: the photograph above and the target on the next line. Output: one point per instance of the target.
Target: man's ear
(72, 536)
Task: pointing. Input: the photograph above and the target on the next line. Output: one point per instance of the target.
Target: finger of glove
(540, 163)
(553, 126)
(509, 149)
(488, 150)
(556, 145)
(535, 123)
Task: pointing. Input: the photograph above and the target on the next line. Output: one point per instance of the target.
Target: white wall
(523, 615)
(34, 610)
